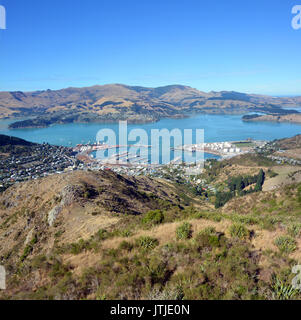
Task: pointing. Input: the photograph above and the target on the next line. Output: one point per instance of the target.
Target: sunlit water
(216, 128)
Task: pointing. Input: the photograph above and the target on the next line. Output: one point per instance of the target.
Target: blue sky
(246, 46)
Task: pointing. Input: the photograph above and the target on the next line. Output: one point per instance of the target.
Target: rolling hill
(135, 104)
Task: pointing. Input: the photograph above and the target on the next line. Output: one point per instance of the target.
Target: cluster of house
(41, 161)
(158, 171)
(136, 170)
(205, 185)
(282, 160)
(271, 150)
(131, 171)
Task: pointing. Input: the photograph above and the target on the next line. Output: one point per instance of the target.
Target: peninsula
(294, 117)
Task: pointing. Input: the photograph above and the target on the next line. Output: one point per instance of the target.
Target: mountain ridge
(114, 102)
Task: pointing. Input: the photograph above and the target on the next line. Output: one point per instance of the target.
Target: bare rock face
(68, 195)
(53, 214)
(29, 236)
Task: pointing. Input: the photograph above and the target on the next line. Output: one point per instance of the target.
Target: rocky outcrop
(68, 195)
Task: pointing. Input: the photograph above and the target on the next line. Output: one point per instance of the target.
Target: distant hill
(136, 104)
(294, 118)
(289, 143)
(15, 146)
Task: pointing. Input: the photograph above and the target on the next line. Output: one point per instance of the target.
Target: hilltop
(135, 104)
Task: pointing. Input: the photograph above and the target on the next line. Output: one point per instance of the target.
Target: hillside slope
(98, 235)
(13, 141)
(79, 202)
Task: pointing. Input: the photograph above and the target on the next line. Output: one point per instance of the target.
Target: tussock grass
(147, 243)
(286, 244)
(239, 231)
(184, 231)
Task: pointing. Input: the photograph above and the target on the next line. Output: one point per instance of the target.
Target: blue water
(216, 128)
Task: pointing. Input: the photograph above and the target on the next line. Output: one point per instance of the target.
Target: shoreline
(29, 122)
(77, 133)
(292, 118)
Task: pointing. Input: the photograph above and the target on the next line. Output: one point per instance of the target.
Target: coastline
(29, 122)
(217, 128)
(292, 118)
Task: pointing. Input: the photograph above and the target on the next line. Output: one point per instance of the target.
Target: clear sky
(246, 46)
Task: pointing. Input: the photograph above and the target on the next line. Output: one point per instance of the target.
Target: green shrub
(26, 252)
(299, 194)
(126, 233)
(95, 213)
(124, 245)
(58, 269)
(153, 217)
(102, 234)
(59, 233)
(269, 223)
(147, 243)
(222, 198)
(184, 231)
(208, 238)
(208, 231)
(29, 248)
(77, 248)
(174, 293)
(87, 194)
(239, 231)
(294, 230)
(282, 291)
(286, 244)
(156, 270)
(244, 219)
(272, 174)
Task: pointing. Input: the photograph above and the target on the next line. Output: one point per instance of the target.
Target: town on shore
(43, 159)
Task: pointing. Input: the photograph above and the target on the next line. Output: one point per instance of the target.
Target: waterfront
(145, 154)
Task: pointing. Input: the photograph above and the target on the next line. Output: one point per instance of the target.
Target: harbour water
(216, 128)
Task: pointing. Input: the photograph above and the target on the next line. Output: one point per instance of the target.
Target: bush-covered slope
(104, 236)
